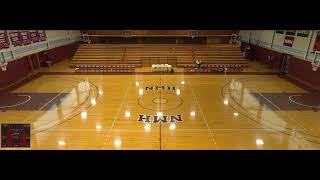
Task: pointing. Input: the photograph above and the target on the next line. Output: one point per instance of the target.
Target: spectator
(198, 63)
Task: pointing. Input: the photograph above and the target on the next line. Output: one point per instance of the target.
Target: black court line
(286, 131)
(300, 84)
(160, 121)
(22, 82)
(158, 73)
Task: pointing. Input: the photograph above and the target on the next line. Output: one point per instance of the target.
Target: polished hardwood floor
(164, 112)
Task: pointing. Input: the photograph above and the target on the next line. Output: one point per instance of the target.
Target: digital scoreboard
(15, 135)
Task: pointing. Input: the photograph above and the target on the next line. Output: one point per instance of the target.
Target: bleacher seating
(122, 56)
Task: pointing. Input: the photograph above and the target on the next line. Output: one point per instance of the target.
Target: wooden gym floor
(199, 111)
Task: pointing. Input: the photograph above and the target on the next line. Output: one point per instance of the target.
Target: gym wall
(60, 44)
(267, 42)
(55, 38)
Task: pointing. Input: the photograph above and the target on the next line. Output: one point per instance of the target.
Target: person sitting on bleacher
(198, 63)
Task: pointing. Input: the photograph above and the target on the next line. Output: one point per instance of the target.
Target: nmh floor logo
(159, 118)
(154, 88)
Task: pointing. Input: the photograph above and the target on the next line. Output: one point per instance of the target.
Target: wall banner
(42, 35)
(25, 37)
(34, 36)
(4, 41)
(15, 38)
(316, 46)
(288, 41)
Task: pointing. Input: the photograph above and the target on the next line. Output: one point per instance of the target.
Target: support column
(306, 55)
(30, 62)
(38, 60)
(274, 32)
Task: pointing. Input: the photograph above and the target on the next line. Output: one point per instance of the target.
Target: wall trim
(283, 49)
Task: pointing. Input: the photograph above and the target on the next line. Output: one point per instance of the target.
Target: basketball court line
(204, 118)
(29, 98)
(75, 109)
(160, 132)
(179, 129)
(248, 116)
(281, 110)
(40, 131)
(26, 120)
(316, 107)
(299, 124)
(119, 109)
(269, 101)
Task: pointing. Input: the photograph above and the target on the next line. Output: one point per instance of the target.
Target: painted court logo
(160, 88)
(156, 119)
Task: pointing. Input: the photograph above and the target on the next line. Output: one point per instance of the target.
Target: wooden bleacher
(127, 56)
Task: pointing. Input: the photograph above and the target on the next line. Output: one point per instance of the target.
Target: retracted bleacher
(127, 57)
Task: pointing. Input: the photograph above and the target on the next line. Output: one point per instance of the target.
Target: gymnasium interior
(160, 89)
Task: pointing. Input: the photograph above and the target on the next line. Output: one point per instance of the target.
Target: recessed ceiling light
(93, 102)
(117, 142)
(61, 143)
(226, 102)
(98, 126)
(236, 114)
(137, 83)
(178, 91)
(172, 126)
(84, 115)
(100, 92)
(192, 113)
(259, 142)
(147, 127)
(182, 82)
(141, 91)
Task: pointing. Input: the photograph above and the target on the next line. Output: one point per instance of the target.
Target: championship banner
(15, 38)
(34, 36)
(25, 37)
(303, 33)
(42, 35)
(4, 41)
(288, 41)
(316, 46)
(291, 32)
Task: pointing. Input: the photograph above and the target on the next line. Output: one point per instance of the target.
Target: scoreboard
(15, 135)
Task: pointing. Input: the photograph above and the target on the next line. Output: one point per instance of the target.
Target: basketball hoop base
(3, 66)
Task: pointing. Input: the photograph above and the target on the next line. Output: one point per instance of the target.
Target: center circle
(155, 102)
(160, 100)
